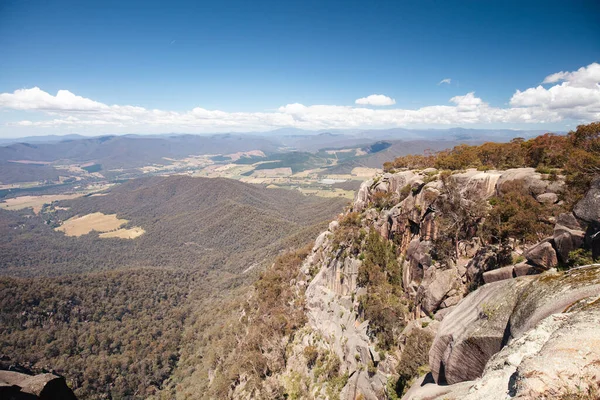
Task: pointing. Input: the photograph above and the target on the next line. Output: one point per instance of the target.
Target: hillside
(114, 315)
(189, 222)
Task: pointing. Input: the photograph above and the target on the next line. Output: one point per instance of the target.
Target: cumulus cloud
(447, 81)
(577, 96)
(376, 100)
(567, 96)
(587, 77)
(37, 99)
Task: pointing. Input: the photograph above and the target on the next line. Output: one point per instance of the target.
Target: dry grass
(97, 221)
(366, 172)
(348, 194)
(35, 202)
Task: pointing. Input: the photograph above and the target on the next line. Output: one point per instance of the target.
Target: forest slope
(189, 223)
(113, 315)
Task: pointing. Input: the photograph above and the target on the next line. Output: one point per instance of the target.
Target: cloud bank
(566, 96)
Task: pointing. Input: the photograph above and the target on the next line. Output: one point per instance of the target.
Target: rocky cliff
(426, 275)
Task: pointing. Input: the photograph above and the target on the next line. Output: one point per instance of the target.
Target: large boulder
(499, 274)
(566, 240)
(551, 293)
(485, 259)
(558, 358)
(588, 208)
(43, 386)
(542, 255)
(477, 184)
(531, 180)
(361, 200)
(417, 260)
(501, 312)
(547, 198)
(473, 332)
(437, 286)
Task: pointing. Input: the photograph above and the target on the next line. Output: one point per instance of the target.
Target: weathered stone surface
(552, 293)
(525, 268)
(532, 181)
(477, 184)
(496, 313)
(542, 254)
(567, 240)
(547, 198)
(435, 288)
(473, 332)
(571, 352)
(570, 221)
(469, 248)
(418, 259)
(588, 208)
(399, 180)
(559, 356)
(485, 259)
(499, 274)
(361, 200)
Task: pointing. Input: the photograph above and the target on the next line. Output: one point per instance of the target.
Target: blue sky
(253, 57)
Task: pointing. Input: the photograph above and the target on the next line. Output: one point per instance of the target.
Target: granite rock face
(588, 208)
(513, 338)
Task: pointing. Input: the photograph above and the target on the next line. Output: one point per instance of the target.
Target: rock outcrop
(18, 386)
(478, 338)
(514, 338)
(542, 254)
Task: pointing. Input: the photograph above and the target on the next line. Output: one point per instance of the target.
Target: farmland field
(35, 202)
(97, 221)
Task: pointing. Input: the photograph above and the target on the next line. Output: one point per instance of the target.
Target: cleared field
(348, 194)
(35, 202)
(97, 221)
(124, 233)
(366, 172)
(283, 171)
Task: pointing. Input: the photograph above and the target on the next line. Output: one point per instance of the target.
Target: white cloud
(446, 80)
(587, 77)
(572, 96)
(576, 97)
(37, 99)
(376, 100)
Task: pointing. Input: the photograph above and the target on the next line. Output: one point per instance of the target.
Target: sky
(98, 67)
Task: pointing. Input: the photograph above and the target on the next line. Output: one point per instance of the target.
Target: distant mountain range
(290, 136)
(27, 159)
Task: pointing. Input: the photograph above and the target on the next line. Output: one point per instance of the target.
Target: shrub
(311, 354)
(414, 357)
(580, 257)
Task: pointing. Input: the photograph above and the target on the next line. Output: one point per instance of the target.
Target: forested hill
(188, 223)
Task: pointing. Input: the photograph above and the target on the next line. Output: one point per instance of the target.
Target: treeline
(577, 154)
